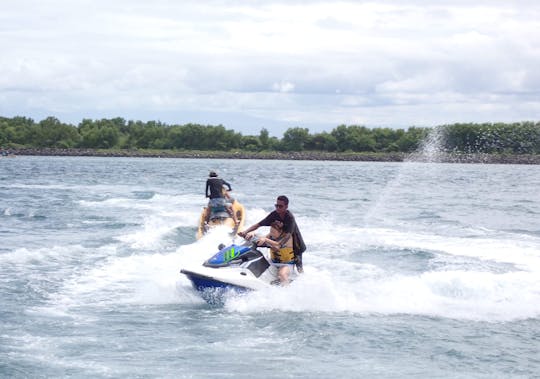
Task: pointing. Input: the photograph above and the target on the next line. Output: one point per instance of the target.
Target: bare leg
(283, 275)
(232, 214)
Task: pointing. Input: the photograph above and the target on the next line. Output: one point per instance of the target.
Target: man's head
(212, 174)
(282, 203)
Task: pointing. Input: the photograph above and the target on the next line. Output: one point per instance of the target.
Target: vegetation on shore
(281, 155)
(118, 137)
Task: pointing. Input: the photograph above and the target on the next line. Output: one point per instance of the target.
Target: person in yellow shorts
(281, 250)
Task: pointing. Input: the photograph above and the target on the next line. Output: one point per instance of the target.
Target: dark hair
(212, 174)
(277, 224)
(283, 198)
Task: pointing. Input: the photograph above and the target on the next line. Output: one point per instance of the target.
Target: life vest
(285, 254)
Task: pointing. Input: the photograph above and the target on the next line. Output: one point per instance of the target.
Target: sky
(273, 64)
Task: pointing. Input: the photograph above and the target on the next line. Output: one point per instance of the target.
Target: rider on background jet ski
(214, 191)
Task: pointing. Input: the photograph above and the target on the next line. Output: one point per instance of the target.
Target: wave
(469, 295)
(355, 269)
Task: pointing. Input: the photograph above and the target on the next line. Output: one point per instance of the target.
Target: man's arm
(290, 223)
(250, 229)
(265, 222)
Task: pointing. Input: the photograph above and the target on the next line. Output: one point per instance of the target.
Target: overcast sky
(272, 64)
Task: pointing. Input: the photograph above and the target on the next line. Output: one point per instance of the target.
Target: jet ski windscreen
(226, 255)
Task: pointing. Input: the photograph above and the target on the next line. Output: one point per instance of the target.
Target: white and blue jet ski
(239, 268)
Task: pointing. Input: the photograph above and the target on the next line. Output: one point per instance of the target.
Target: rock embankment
(304, 155)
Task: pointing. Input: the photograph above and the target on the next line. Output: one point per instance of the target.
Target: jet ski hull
(204, 282)
(238, 268)
(213, 290)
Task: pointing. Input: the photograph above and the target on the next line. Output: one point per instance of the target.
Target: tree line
(118, 133)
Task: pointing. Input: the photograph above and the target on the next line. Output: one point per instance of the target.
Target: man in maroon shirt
(283, 215)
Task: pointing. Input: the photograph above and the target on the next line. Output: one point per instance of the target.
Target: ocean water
(413, 270)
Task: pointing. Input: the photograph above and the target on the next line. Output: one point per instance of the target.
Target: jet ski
(220, 217)
(234, 268)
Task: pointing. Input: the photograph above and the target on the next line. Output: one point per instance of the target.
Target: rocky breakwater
(300, 155)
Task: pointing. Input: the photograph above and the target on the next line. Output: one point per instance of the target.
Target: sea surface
(413, 270)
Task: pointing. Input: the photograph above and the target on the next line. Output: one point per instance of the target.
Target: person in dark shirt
(215, 192)
(288, 227)
(214, 186)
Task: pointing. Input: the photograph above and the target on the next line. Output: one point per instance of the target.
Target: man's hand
(247, 236)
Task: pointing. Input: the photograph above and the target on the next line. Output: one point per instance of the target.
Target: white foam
(25, 257)
(139, 279)
(521, 253)
(452, 294)
(331, 241)
(136, 279)
(154, 228)
(333, 282)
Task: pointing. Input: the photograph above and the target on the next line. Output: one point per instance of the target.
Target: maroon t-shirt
(288, 221)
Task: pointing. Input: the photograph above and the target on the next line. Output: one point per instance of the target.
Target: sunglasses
(279, 205)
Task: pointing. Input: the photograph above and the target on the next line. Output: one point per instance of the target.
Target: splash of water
(431, 148)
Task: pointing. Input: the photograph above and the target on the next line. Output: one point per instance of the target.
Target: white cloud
(283, 86)
(272, 64)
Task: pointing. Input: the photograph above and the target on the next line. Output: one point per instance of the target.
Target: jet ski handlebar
(255, 241)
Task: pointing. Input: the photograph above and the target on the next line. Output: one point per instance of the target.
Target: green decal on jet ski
(231, 254)
(227, 255)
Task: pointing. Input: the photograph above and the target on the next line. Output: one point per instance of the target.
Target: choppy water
(412, 270)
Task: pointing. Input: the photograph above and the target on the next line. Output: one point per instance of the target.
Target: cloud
(283, 86)
(272, 64)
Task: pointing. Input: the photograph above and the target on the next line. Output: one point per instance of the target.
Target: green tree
(322, 142)
(19, 130)
(251, 143)
(50, 132)
(386, 138)
(411, 139)
(98, 134)
(295, 139)
(264, 139)
(353, 138)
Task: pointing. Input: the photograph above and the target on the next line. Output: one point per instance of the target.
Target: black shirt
(215, 185)
(289, 226)
(288, 221)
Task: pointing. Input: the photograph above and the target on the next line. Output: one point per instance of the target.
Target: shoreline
(276, 155)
